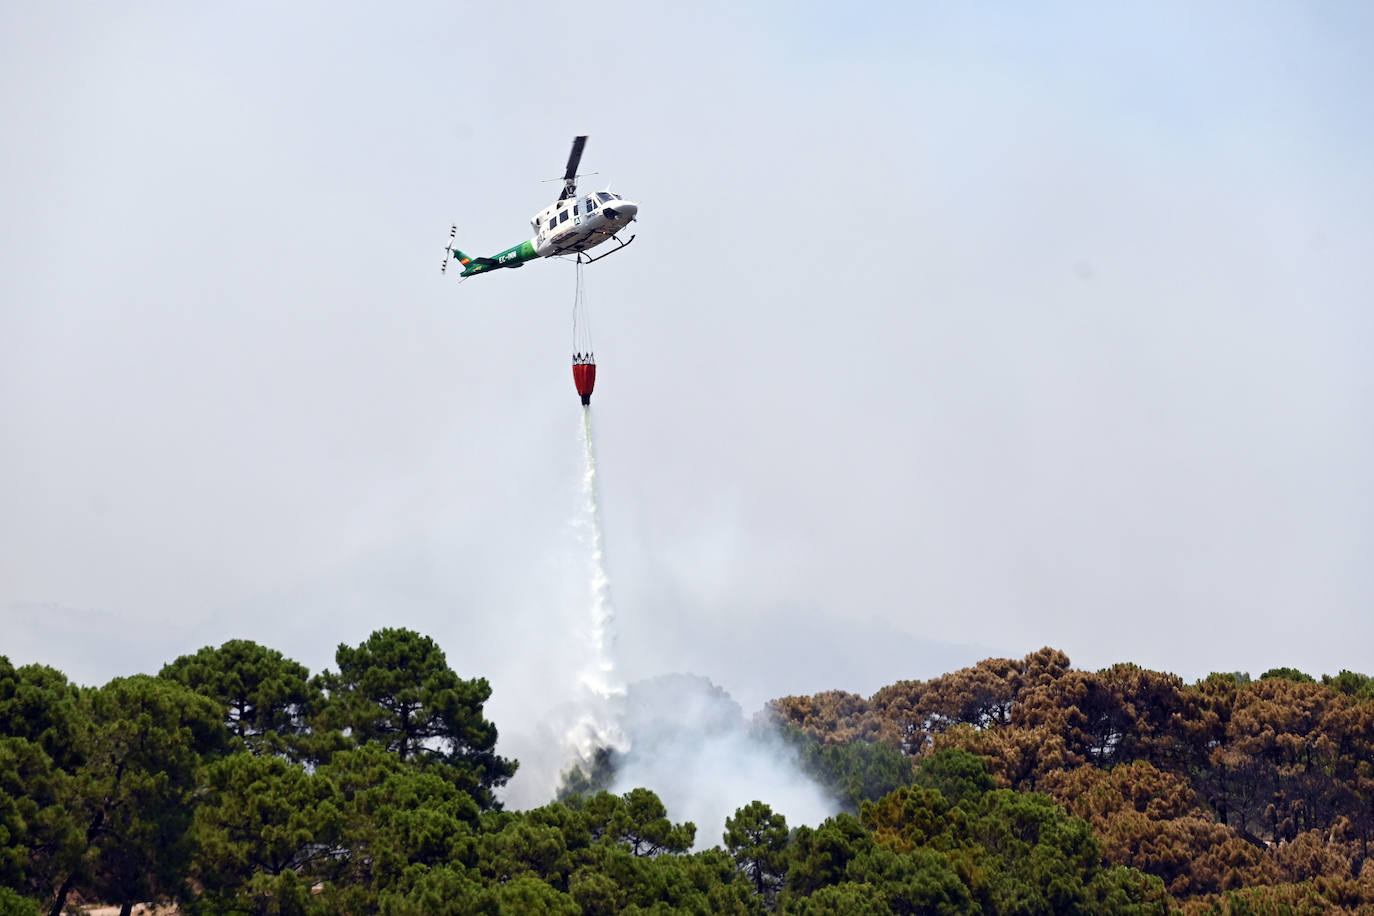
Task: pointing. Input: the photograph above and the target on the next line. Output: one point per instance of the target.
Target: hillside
(234, 781)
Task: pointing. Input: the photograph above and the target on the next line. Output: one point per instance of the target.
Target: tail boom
(515, 256)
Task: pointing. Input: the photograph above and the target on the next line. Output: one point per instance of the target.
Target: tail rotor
(448, 250)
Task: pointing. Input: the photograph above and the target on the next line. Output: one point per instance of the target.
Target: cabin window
(563, 217)
(590, 205)
(552, 222)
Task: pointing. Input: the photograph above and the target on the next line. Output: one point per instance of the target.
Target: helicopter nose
(622, 209)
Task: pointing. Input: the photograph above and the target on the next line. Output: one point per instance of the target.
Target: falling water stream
(598, 726)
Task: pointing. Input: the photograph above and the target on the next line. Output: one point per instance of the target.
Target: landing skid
(590, 260)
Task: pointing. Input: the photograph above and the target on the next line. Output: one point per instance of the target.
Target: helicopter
(568, 226)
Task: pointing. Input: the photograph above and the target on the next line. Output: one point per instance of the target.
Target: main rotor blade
(575, 157)
(570, 176)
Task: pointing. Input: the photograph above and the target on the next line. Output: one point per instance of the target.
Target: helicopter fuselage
(580, 223)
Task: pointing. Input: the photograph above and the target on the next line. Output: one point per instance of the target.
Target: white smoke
(690, 743)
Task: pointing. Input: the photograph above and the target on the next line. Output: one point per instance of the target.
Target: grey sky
(951, 330)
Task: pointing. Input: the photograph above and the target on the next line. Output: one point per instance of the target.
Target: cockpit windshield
(606, 197)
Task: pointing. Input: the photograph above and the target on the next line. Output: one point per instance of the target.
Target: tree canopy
(1211, 787)
(397, 689)
(267, 697)
(236, 783)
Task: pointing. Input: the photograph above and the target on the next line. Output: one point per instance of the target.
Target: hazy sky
(951, 330)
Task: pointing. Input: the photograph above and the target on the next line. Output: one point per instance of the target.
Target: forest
(236, 782)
